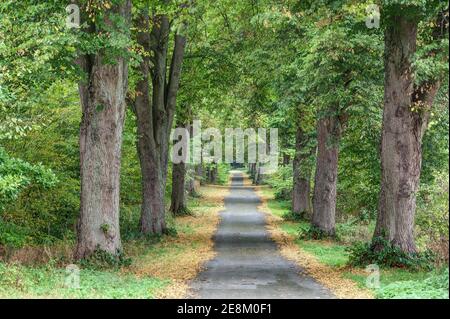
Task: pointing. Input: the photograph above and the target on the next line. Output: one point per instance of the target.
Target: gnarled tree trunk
(324, 200)
(405, 118)
(103, 108)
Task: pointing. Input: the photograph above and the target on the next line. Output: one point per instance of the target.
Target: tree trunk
(178, 204)
(252, 170)
(178, 199)
(257, 176)
(190, 182)
(178, 196)
(155, 116)
(405, 118)
(301, 202)
(324, 201)
(286, 159)
(103, 108)
(199, 173)
(212, 173)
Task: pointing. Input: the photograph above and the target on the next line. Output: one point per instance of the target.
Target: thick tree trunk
(301, 202)
(324, 201)
(103, 108)
(152, 208)
(155, 116)
(178, 199)
(153, 188)
(405, 117)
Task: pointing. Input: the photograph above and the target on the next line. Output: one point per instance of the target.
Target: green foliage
(311, 232)
(14, 235)
(355, 229)
(282, 182)
(433, 216)
(434, 287)
(223, 173)
(385, 254)
(16, 175)
(102, 260)
(293, 217)
(35, 49)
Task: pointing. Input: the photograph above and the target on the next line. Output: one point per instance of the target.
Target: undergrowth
(385, 254)
(103, 260)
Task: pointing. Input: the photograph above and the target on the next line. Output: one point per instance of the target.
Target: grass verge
(326, 261)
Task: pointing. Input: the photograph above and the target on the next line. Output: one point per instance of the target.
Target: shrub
(13, 235)
(433, 215)
(353, 229)
(311, 232)
(282, 182)
(16, 175)
(387, 255)
(223, 171)
(294, 217)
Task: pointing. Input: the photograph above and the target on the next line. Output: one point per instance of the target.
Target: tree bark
(199, 173)
(103, 112)
(212, 173)
(252, 170)
(155, 116)
(324, 201)
(190, 181)
(405, 118)
(178, 198)
(301, 202)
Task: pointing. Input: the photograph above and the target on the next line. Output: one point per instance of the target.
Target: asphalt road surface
(248, 264)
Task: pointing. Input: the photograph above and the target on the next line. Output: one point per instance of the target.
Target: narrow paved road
(248, 264)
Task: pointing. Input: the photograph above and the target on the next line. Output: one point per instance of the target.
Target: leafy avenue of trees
(362, 114)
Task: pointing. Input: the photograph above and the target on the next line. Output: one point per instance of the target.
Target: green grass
(404, 284)
(329, 254)
(277, 207)
(47, 282)
(290, 228)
